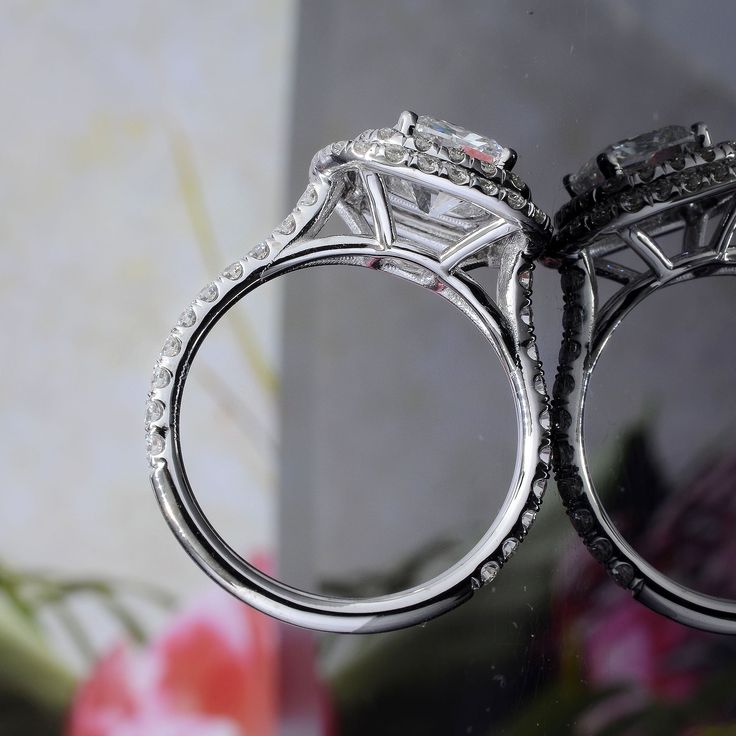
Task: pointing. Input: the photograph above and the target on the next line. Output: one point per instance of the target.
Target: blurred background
(343, 429)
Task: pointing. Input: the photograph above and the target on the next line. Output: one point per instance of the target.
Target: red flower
(213, 673)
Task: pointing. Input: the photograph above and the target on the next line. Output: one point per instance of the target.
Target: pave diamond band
(426, 218)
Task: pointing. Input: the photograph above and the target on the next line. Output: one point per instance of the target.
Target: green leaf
(30, 672)
(20, 716)
(555, 711)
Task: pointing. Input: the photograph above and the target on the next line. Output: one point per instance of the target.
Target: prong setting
(608, 165)
(702, 135)
(407, 121)
(509, 160)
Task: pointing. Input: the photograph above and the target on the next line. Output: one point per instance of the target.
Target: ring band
(428, 202)
(671, 180)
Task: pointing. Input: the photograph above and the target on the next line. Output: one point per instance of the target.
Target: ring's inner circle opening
(366, 450)
(660, 421)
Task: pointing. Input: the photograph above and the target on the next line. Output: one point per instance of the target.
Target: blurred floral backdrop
(142, 148)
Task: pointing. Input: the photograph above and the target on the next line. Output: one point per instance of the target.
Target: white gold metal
(392, 234)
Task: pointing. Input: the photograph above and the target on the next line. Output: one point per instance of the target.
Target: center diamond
(437, 205)
(648, 148)
(453, 136)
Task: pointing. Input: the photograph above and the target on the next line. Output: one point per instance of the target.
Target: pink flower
(214, 672)
(686, 535)
(625, 645)
(631, 645)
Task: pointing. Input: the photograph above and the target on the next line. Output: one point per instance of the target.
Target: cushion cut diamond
(437, 205)
(453, 136)
(649, 148)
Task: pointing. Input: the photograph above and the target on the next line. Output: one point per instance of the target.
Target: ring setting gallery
(428, 202)
(669, 182)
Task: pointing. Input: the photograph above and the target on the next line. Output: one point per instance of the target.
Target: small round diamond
(171, 347)
(570, 486)
(187, 318)
(154, 410)
(622, 573)
(538, 216)
(360, 147)
(582, 520)
(544, 419)
(514, 200)
(234, 271)
(531, 349)
(161, 377)
(527, 519)
(720, 171)
(209, 293)
(524, 277)
(489, 571)
(545, 453)
(456, 155)
(309, 197)
(539, 486)
(677, 162)
(427, 164)
(691, 181)
(422, 143)
(155, 443)
(488, 168)
(569, 350)
(599, 216)
(457, 175)
(515, 181)
(488, 187)
(288, 226)
(661, 189)
(563, 418)
(509, 547)
(260, 252)
(385, 133)
(426, 279)
(632, 201)
(573, 278)
(601, 549)
(394, 153)
(338, 147)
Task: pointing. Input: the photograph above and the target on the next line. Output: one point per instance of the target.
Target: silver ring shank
(193, 530)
